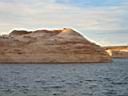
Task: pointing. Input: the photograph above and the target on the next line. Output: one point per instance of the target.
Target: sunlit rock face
(50, 46)
(118, 51)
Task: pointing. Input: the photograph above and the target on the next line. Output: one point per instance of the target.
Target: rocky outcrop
(50, 46)
(117, 51)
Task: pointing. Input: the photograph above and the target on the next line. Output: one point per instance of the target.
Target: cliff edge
(49, 46)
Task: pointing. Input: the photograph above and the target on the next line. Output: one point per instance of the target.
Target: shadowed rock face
(50, 46)
(19, 32)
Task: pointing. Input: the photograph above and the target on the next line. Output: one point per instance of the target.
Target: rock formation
(50, 46)
(117, 51)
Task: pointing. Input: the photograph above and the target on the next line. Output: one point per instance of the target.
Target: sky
(102, 21)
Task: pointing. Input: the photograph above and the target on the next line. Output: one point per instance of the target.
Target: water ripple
(65, 80)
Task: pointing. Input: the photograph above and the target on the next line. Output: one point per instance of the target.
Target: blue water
(110, 79)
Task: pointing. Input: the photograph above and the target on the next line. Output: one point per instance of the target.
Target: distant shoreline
(117, 51)
(53, 62)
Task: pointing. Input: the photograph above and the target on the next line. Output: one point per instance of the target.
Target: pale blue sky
(85, 3)
(103, 21)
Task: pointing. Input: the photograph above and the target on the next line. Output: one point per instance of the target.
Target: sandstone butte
(49, 46)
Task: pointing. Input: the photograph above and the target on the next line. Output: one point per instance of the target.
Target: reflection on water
(65, 80)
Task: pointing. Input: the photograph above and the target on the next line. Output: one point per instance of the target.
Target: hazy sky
(104, 21)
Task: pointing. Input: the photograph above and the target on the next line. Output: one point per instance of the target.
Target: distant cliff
(117, 51)
(49, 46)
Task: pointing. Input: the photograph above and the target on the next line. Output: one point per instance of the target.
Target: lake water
(109, 79)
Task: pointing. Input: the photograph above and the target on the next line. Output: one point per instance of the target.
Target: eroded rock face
(50, 46)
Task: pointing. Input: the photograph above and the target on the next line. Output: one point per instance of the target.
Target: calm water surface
(65, 80)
